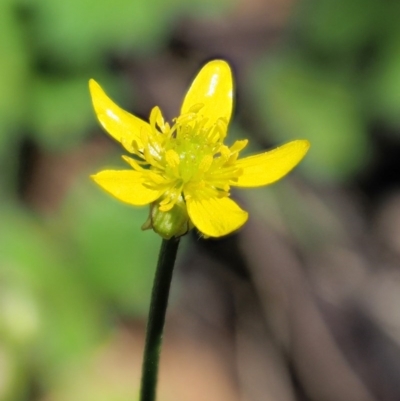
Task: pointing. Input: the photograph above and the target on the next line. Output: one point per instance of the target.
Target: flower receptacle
(171, 223)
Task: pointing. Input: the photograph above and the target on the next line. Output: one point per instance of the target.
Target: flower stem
(155, 324)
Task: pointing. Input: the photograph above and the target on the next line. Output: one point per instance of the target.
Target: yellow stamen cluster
(187, 157)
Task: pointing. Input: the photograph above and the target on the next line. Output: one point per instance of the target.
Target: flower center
(188, 158)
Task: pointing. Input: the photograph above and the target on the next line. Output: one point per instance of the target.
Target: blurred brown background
(302, 304)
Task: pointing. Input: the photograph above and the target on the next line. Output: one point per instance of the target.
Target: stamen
(170, 199)
(185, 158)
(222, 126)
(185, 118)
(205, 163)
(172, 158)
(160, 121)
(136, 149)
(196, 108)
(155, 117)
(239, 145)
(232, 158)
(225, 152)
(135, 164)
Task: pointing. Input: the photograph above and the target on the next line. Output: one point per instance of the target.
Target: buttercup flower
(184, 170)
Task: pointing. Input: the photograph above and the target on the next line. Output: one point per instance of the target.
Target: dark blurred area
(302, 304)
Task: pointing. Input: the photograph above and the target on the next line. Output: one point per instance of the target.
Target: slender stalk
(155, 324)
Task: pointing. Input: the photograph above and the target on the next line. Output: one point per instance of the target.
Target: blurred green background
(75, 268)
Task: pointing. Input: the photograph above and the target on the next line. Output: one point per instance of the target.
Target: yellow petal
(211, 88)
(121, 125)
(215, 217)
(127, 186)
(271, 166)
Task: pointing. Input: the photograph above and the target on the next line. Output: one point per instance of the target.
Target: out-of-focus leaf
(61, 110)
(14, 73)
(78, 33)
(13, 374)
(204, 7)
(383, 82)
(20, 318)
(298, 101)
(20, 323)
(30, 258)
(117, 257)
(338, 25)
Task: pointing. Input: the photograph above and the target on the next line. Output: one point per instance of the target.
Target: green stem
(155, 324)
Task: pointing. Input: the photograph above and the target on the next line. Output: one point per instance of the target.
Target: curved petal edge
(127, 186)
(213, 89)
(216, 217)
(268, 167)
(121, 125)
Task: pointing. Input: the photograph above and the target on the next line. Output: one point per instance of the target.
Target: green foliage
(338, 27)
(383, 83)
(337, 76)
(300, 101)
(81, 32)
(44, 308)
(115, 256)
(61, 110)
(77, 34)
(14, 76)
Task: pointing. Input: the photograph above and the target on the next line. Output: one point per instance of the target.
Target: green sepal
(172, 223)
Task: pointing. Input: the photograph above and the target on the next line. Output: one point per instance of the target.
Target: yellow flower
(186, 166)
